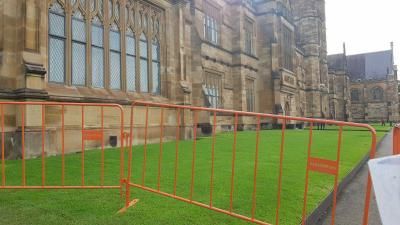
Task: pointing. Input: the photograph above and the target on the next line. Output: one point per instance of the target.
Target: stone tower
(309, 17)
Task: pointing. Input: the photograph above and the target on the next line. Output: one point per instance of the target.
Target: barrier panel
(188, 117)
(93, 133)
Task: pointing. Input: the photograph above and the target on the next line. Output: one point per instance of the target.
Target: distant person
(383, 122)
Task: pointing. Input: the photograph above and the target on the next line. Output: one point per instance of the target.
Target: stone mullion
(150, 55)
(88, 24)
(123, 62)
(137, 33)
(106, 44)
(68, 44)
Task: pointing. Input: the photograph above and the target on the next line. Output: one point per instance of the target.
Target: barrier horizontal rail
(96, 134)
(319, 165)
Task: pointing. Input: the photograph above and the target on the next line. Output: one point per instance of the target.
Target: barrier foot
(132, 203)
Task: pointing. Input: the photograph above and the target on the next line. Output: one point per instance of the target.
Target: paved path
(350, 206)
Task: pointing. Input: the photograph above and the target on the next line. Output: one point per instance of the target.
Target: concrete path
(350, 206)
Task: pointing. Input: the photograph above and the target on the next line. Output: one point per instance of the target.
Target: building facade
(267, 56)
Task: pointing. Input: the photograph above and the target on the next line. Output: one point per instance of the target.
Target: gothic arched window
(115, 58)
(57, 44)
(144, 74)
(97, 54)
(156, 67)
(130, 61)
(377, 94)
(78, 49)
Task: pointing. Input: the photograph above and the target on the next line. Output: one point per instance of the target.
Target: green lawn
(99, 206)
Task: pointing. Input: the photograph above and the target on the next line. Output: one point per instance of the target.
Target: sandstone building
(364, 87)
(266, 56)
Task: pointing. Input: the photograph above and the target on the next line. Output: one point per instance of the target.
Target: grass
(99, 206)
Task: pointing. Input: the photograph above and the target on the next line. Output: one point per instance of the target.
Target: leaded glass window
(78, 50)
(57, 39)
(144, 72)
(287, 48)
(115, 59)
(78, 55)
(248, 35)
(212, 89)
(156, 67)
(130, 62)
(211, 23)
(97, 56)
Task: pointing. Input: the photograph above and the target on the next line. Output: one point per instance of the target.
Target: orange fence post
(177, 147)
(161, 148)
(196, 115)
(3, 163)
(396, 139)
(62, 147)
(280, 171)
(369, 182)
(43, 150)
(23, 144)
(213, 157)
(253, 208)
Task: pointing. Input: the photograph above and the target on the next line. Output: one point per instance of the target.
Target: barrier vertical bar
(194, 152)
(43, 150)
(337, 175)
(177, 147)
(62, 147)
(122, 158)
(253, 208)
(145, 145)
(102, 147)
(23, 146)
(369, 181)
(213, 157)
(83, 146)
(303, 220)
(161, 148)
(3, 166)
(233, 163)
(128, 179)
(280, 171)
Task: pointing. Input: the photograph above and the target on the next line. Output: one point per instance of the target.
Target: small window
(377, 94)
(211, 23)
(250, 95)
(212, 88)
(355, 95)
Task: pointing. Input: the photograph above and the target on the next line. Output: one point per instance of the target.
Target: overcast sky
(365, 26)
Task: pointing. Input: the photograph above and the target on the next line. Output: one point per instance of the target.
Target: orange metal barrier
(396, 139)
(87, 135)
(313, 164)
